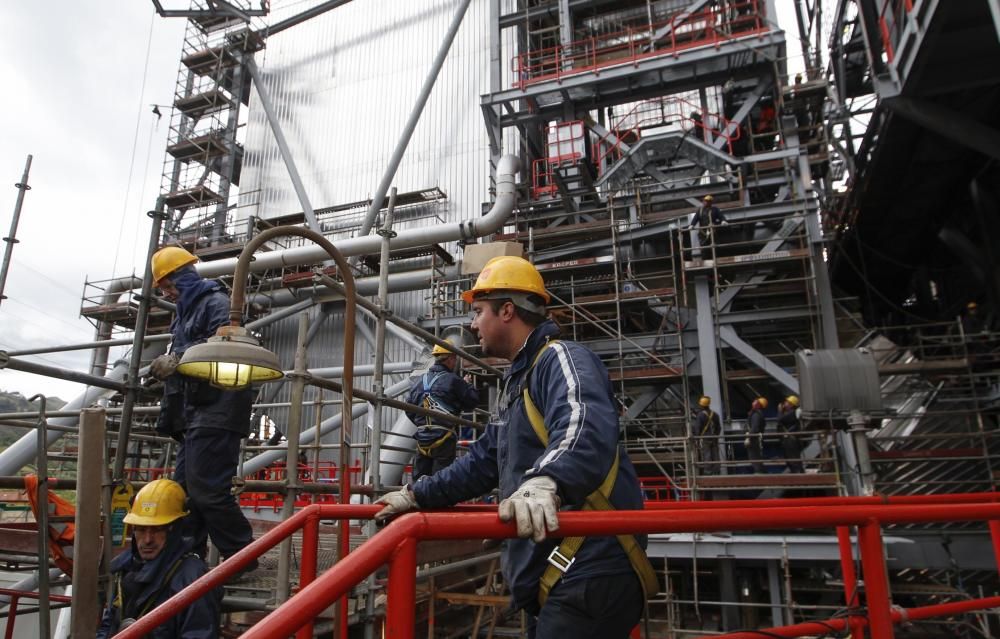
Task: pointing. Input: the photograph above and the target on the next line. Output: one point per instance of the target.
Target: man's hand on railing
(534, 506)
(396, 503)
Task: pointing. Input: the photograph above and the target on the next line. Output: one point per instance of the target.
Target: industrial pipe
(506, 199)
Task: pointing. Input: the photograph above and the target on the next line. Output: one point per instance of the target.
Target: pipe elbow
(508, 165)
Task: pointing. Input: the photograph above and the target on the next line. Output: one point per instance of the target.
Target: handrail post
(851, 593)
(401, 591)
(876, 581)
(11, 617)
(307, 574)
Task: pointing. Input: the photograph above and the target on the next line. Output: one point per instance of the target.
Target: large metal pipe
(112, 292)
(264, 460)
(506, 199)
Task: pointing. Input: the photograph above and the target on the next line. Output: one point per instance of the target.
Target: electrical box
(477, 255)
(836, 382)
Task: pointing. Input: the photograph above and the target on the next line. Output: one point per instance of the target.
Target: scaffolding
(625, 117)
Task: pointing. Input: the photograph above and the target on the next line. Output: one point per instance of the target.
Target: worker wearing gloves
(207, 421)
(756, 425)
(159, 565)
(442, 390)
(553, 444)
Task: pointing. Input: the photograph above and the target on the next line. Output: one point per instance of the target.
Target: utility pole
(11, 239)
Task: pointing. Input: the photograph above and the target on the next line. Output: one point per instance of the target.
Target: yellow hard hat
(971, 305)
(707, 198)
(159, 503)
(705, 401)
(168, 259)
(439, 350)
(762, 402)
(793, 400)
(508, 273)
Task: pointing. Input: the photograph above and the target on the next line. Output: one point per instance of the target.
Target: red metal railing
(15, 596)
(709, 26)
(396, 545)
(326, 472)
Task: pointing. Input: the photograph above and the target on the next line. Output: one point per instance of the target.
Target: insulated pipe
(113, 291)
(411, 122)
(506, 199)
(397, 449)
(262, 461)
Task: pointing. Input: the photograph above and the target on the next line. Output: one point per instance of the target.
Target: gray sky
(78, 89)
(73, 75)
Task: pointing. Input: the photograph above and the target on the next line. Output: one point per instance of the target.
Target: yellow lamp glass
(231, 360)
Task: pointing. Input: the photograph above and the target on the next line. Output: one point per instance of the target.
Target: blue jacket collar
(544, 332)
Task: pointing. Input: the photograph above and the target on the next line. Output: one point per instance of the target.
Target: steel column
(90, 476)
(42, 517)
(292, 433)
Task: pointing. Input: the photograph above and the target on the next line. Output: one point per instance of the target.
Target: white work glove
(163, 366)
(395, 503)
(534, 506)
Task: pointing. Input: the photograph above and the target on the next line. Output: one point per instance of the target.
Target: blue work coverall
(599, 595)
(207, 421)
(139, 586)
(436, 443)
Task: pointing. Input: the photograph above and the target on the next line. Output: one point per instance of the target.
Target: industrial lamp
(230, 360)
(233, 359)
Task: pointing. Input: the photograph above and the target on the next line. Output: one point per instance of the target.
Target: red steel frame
(15, 596)
(701, 28)
(397, 545)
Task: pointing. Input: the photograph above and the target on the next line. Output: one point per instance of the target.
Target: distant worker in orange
(756, 425)
(707, 436)
(789, 426)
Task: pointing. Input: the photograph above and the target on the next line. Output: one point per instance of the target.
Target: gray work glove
(534, 506)
(163, 366)
(401, 501)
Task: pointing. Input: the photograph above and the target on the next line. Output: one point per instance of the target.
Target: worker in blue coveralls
(207, 421)
(442, 390)
(159, 565)
(552, 444)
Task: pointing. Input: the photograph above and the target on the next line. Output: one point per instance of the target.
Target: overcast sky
(77, 95)
(79, 81)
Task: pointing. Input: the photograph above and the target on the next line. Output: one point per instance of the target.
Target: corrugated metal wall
(343, 84)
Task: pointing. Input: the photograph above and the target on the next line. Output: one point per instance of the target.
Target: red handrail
(396, 543)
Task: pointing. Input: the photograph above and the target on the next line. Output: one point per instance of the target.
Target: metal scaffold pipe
(11, 239)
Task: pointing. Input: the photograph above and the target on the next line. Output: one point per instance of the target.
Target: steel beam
(730, 338)
(948, 123)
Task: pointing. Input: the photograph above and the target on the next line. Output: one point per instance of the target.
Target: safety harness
(151, 601)
(708, 421)
(433, 403)
(562, 557)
